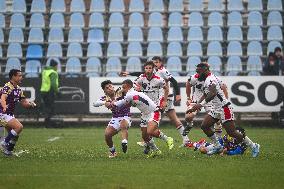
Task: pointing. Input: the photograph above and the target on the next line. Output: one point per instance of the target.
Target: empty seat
(191, 64)
(215, 19)
(1, 38)
(58, 6)
(254, 48)
(2, 21)
(94, 50)
(77, 20)
(175, 19)
(36, 36)
(174, 66)
(17, 21)
(195, 5)
(113, 65)
(254, 73)
(176, 5)
(37, 21)
(155, 34)
(195, 19)
(19, 6)
(215, 5)
(115, 34)
(235, 19)
(74, 50)
(215, 34)
(274, 18)
(38, 6)
(235, 33)
(215, 64)
(133, 65)
(58, 63)
(16, 35)
(95, 35)
(254, 33)
(114, 49)
(154, 49)
(194, 49)
(3, 7)
(93, 67)
(34, 52)
(97, 6)
(135, 34)
(274, 5)
(195, 34)
(234, 49)
(235, 5)
(55, 35)
(136, 6)
(254, 63)
(116, 20)
(175, 34)
(274, 33)
(134, 49)
(214, 49)
(73, 67)
(272, 45)
(156, 20)
(174, 49)
(136, 20)
(116, 6)
(12, 63)
(54, 50)
(57, 20)
(0, 51)
(96, 20)
(234, 66)
(32, 68)
(75, 35)
(14, 50)
(77, 6)
(255, 5)
(156, 6)
(254, 19)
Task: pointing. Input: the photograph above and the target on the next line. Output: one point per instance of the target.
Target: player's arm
(27, 104)
(225, 90)
(99, 103)
(188, 92)
(124, 74)
(166, 94)
(175, 87)
(3, 102)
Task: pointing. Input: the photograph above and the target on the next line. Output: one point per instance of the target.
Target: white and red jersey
(139, 100)
(152, 87)
(164, 74)
(197, 87)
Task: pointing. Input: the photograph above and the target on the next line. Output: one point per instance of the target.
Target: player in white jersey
(150, 116)
(221, 110)
(120, 120)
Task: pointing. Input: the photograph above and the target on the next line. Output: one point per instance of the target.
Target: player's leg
(218, 129)
(189, 122)
(124, 125)
(109, 133)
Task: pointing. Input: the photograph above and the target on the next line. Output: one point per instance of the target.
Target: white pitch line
(53, 139)
(21, 152)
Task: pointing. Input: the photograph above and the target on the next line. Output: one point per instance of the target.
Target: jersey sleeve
(100, 101)
(192, 80)
(6, 90)
(126, 100)
(165, 74)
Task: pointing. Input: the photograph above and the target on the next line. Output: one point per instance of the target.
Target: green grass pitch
(78, 159)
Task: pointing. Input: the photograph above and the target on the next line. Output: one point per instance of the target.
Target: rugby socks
(152, 145)
(180, 130)
(248, 142)
(12, 143)
(214, 139)
(11, 134)
(218, 129)
(124, 141)
(162, 136)
(112, 149)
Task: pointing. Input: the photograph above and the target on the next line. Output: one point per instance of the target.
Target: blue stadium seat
(196, 5)
(116, 20)
(3, 7)
(19, 6)
(235, 5)
(195, 19)
(77, 20)
(14, 50)
(96, 20)
(114, 49)
(135, 34)
(58, 6)
(34, 52)
(1, 55)
(274, 33)
(17, 21)
(77, 6)
(74, 50)
(175, 34)
(116, 6)
(2, 21)
(274, 18)
(73, 67)
(235, 19)
(254, 33)
(235, 33)
(155, 20)
(195, 34)
(234, 49)
(154, 49)
(134, 49)
(156, 6)
(1, 37)
(97, 6)
(274, 5)
(94, 50)
(174, 49)
(255, 5)
(175, 19)
(16, 35)
(254, 63)
(174, 66)
(35, 35)
(32, 68)
(191, 64)
(75, 35)
(254, 48)
(54, 50)
(115, 34)
(215, 64)
(215, 19)
(215, 5)
(38, 6)
(113, 67)
(214, 49)
(215, 34)
(57, 20)
(176, 6)
(37, 21)
(95, 35)
(55, 35)
(155, 34)
(136, 6)
(272, 45)
(12, 63)
(254, 19)
(133, 65)
(58, 63)
(194, 49)
(93, 67)
(136, 20)
(254, 73)
(234, 66)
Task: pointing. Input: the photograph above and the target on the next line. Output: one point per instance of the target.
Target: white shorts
(115, 122)
(154, 116)
(170, 104)
(223, 113)
(4, 119)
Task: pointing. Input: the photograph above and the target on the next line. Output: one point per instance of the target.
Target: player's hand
(137, 87)
(32, 104)
(4, 109)
(123, 74)
(163, 105)
(194, 108)
(188, 102)
(108, 105)
(178, 98)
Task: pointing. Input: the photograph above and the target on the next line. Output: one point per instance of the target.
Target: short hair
(128, 82)
(203, 65)
(53, 63)
(271, 55)
(13, 72)
(104, 83)
(157, 58)
(149, 63)
(277, 49)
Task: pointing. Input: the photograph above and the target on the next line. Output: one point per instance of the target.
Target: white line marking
(21, 152)
(53, 139)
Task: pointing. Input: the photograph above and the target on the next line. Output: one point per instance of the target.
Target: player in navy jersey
(10, 94)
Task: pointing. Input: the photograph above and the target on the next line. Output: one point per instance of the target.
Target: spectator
(279, 60)
(270, 67)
